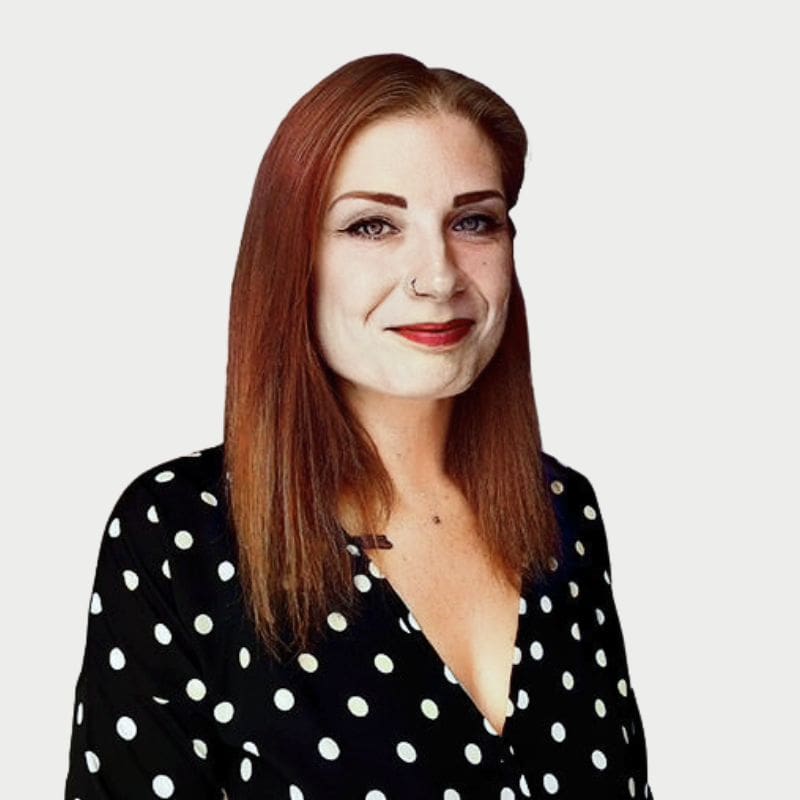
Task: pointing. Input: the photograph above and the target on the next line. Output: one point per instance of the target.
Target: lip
(434, 326)
(435, 334)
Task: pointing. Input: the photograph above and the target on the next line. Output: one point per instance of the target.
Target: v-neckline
(404, 607)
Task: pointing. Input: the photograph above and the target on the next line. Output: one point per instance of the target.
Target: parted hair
(291, 445)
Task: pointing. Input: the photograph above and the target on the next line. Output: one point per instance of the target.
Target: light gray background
(658, 251)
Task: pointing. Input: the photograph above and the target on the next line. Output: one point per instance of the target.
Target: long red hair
(291, 447)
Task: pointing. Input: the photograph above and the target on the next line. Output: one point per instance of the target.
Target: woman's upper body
(378, 385)
(176, 699)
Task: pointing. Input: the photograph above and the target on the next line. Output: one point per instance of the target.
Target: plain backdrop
(658, 252)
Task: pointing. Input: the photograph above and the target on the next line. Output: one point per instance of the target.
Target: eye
(478, 223)
(368, 228)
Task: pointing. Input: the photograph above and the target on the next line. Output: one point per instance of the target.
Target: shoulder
(578, 512)
(171, 517)
(181, 490)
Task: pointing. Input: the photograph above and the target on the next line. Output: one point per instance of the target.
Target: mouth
(436, 334)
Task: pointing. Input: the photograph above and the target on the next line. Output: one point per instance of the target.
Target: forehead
(404, 153)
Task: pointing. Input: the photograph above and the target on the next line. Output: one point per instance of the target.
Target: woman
(379, 585)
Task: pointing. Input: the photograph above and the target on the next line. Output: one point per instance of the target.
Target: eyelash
(491, 225)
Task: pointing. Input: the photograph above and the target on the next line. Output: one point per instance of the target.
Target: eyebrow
(396, 200)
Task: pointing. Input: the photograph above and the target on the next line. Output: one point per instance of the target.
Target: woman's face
(426, 202)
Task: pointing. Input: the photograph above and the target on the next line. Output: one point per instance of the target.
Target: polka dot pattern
(175, 677)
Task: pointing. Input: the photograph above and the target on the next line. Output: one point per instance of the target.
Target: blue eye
(475, 220)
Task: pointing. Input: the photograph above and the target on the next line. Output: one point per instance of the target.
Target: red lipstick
(436, 334)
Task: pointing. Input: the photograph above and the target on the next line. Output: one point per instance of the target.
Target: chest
(467, 611)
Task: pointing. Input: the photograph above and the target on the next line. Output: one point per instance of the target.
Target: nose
(433, 269)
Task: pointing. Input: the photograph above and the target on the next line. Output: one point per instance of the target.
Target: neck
(410, 436)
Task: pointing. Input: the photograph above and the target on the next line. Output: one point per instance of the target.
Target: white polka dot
(165, 568)
(451, 794)
(600, 657)
(406, 752)
(489, 728)
(203, 624)
(114, 528)
(163, 786)
(200, 748)
(337, 621)
(589, 512)
(601, 617)
(251, 748)
(573, 588)
(96, 606)
(450, 675)
(581, 550)
(225, 570)
(160, 700)
(523, 786)
(631, 787)
(383, 663)
(550, 783)
(509, 707)
(328, 748)
(352, 549)
(403, 625)
(358, 706)
(599, 707)
(429, 708)
(184, 540)
(567, 679)
(196, 689)
(79, 714)
(523, 700)
(556, 487)
(246, 769)
(162, 633)
(126, 728)
(92, 761)
(507, 794)
(625, 734)
(295, 793)
(244, 657)
(362, 583)
(164, 476)
(622, 687)
(116, 658)
(558, 731)
(523, 605)
(537, 651)
(209, 498)
(373, 568)
(131, 579)
(599, 759)
(552, 563)
(308, 662)
(223, 712)
(374, 794)
(473, 753)
(283, 699)
(546, 604)
(575, 631)
(412, 621)
(517, 655)
(152, 514)
(606, 577)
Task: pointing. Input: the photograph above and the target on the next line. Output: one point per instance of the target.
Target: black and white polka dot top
(174, 699)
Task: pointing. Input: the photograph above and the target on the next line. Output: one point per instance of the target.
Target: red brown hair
(291, 446)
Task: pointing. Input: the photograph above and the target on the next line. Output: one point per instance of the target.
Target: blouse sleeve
(138, 726)
(606, 639)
